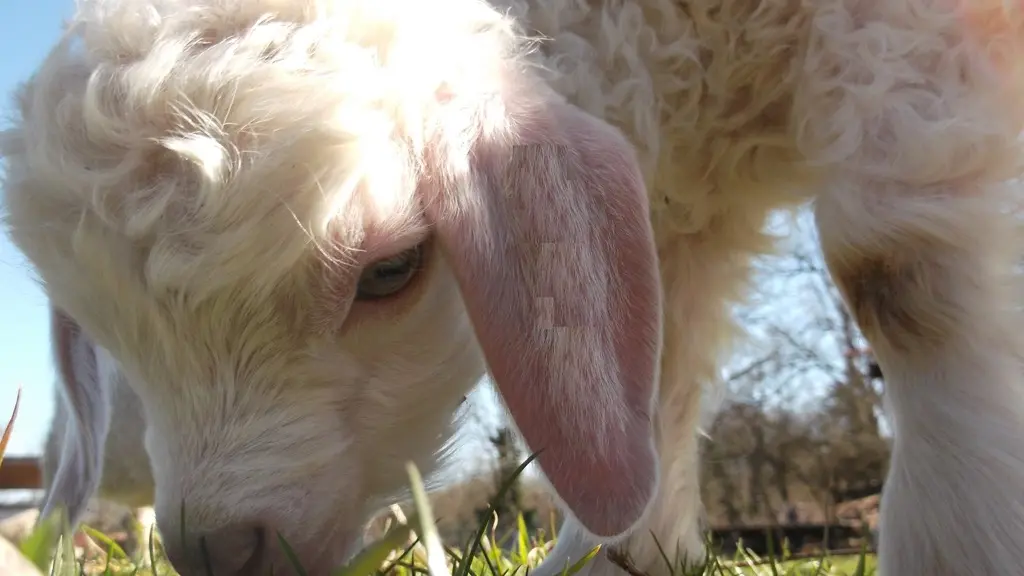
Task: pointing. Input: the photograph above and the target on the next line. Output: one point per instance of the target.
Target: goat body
(204, 185)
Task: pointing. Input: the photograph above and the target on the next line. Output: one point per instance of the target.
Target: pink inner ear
(66, 333)
(555, 259)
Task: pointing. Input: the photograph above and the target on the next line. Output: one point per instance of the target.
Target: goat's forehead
(228, 167)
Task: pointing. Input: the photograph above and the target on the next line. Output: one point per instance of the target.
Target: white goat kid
(303, 228)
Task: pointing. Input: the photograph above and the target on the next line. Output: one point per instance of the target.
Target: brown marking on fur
(890, 293)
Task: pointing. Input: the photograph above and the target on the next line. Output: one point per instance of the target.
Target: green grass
(407, 549)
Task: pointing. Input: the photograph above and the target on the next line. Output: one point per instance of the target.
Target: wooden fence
(800, 538)
(21, 474)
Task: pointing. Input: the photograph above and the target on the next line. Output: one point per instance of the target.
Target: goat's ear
(548, 234)
(86, 405)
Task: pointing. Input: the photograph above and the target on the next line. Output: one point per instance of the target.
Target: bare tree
(804, 417)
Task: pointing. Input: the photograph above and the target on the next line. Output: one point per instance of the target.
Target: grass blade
(104, 539)
(106, 568)
(370, 559)
(41, 544)
(10, 426)
(770, 541)
(64, 559)
(579, 564)
(861, 560)
(428, 530)
(523, 543)
(506, 485)
(292, 556)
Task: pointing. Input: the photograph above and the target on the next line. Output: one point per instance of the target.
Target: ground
(497, 561)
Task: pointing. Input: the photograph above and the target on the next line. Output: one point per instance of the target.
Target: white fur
(200, 206)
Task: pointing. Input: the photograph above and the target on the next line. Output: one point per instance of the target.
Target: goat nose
(236, 550)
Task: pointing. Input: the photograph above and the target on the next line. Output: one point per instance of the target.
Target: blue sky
(25, 35)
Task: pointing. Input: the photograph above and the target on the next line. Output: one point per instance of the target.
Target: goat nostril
(234, 551)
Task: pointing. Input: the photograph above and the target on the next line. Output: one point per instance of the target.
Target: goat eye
(387, 277)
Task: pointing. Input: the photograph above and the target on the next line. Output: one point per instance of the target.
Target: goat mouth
(297, 549)
(333, 554)
(258, 558)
